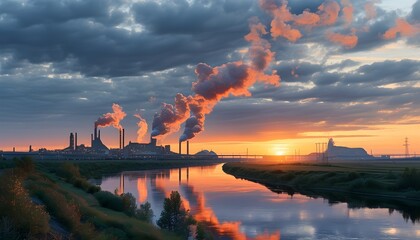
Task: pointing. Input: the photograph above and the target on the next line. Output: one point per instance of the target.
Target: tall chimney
(96, 133)
(179, 147)
(75, 141)
(91, 138)
(99, 134)
(188, 147)
(71, 141)
(123, 137)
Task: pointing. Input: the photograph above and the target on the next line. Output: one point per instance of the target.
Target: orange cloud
(348, 41)
(306, 18)
(403, 28)
(370, 10)
(347, 11)
(329, 12)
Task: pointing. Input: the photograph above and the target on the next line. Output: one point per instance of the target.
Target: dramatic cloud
(348, 41)
(403, 28)
(62, 63)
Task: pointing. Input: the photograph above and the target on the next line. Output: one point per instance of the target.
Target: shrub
(25, 164)
(69, 172)
(129, 204)
(145, 212)
(109, 200)
(352, 176)
(67, 212)
(288, 176)
(410, 178)
(8, 230)
(16, 205)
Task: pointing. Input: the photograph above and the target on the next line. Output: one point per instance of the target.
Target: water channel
(240, 209)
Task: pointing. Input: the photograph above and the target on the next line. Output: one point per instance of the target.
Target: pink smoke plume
(234, 78)
(112, 119)
(171, 116)
(403, 28)
(142, 124)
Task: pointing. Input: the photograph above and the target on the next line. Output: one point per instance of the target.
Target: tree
(174, 217)
(129, 204)
(145, 212)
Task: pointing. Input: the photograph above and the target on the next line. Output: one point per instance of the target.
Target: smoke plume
(142, 124)
(112, 119)
(170, 116)
(234, 78)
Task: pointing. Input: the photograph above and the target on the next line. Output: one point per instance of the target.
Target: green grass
(386, 178)
(81, 213)
(67, 197)
(360, 184)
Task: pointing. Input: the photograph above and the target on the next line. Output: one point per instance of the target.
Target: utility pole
(406, 147)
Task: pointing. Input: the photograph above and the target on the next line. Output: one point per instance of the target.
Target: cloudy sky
(348, 69)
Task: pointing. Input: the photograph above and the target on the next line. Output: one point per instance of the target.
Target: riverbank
(99, 168)
(66, 201)
(360, 184)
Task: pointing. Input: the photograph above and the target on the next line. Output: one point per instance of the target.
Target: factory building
(146, 148)
(96, 142)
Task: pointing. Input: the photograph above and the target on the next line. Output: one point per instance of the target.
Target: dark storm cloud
(415, 12)
(90, 35)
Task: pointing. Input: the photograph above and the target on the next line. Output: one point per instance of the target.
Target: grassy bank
(43, 202)
(361, 184)
(100, 168)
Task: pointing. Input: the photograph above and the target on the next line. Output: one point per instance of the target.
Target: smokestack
(91, 137)
(30, 148)
(99, 134)
(96, 133)
(71, 141)
(120, 137)
(180, 147)
(75, 141)
(123, 138)
(188, 147)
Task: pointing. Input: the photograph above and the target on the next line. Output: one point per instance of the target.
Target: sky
(267, 77)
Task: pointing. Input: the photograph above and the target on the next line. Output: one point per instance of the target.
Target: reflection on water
(239, 209)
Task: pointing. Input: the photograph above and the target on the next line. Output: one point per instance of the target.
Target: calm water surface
(239, 209)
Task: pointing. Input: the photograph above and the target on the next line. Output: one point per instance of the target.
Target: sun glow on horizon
(279, 149)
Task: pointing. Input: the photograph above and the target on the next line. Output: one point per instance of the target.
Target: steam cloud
(142, 124)
(112, 119)
(171, 116)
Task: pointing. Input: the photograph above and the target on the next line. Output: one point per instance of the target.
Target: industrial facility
(98, 150)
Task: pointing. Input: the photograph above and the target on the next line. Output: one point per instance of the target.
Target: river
(240, 209)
